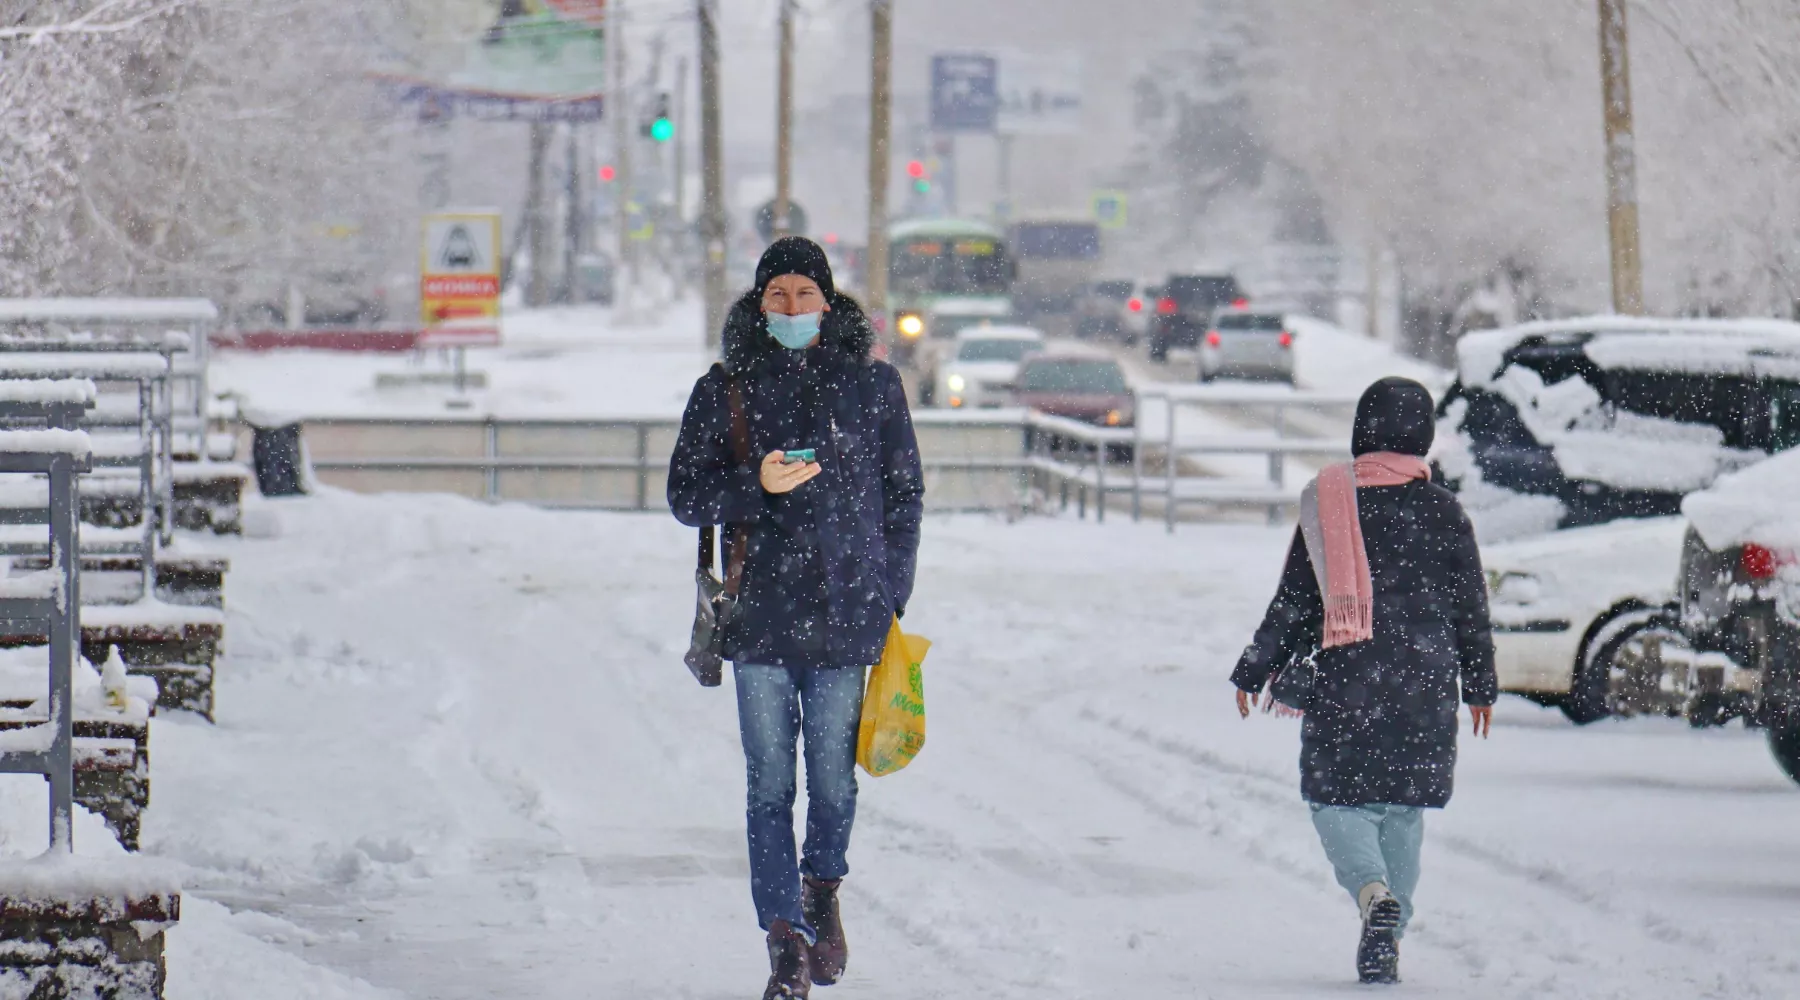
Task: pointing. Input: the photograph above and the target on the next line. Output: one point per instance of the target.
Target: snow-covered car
(1580, 615)
(1577, 422)
(981, 366)
(1740, 589)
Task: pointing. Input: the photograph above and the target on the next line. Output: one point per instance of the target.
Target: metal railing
(980, 460)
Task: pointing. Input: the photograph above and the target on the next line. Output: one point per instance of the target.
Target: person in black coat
(1378, 742)
(829, 546)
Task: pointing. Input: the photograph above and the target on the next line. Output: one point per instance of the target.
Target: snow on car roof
(1749, 347)
(942, 227)
(1758, 504)
(1072, 352)
(1000, 333)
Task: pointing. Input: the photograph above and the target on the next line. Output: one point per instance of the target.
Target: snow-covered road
(458, 757)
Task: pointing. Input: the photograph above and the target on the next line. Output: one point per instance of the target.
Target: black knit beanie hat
(1394, 414)
(794, 255)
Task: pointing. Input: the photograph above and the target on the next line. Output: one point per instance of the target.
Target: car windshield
(1248, 321)
(1117, 290)
(997, 349)
(1074, 375)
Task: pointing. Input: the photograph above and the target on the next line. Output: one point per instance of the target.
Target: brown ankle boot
(818, 900)
(790, 965)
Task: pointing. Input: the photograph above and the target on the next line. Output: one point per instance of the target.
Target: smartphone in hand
(799, 455)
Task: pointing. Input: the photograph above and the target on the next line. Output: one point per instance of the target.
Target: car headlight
(1114, 418)
(1507, 587)
(956, 383)
(911, 326)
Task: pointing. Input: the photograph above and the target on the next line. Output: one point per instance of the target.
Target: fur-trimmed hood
(845, 330)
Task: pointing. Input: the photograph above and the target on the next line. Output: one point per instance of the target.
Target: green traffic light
(922, 186)
(662, 130)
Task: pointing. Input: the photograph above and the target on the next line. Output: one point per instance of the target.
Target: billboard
(459, 279)
(964, 92)
(507, 60)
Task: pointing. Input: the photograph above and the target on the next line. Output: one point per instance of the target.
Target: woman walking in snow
(828, 546)
(1383, 590)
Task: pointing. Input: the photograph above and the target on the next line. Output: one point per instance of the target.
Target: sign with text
(1040, 93)
(964, 92)
(459, 279)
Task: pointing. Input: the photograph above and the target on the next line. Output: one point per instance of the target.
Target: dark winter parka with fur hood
(830, 563)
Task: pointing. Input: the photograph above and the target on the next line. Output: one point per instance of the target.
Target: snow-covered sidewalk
(458, 757)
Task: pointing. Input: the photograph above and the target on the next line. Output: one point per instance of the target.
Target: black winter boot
(790, 966)
(819, 901)
(1378, 957)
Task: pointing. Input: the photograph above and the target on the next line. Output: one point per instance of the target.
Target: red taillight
(1240, 303)
(1165, 307)
(1287, 339)
(1758, 563)
(1213, 339)
(1135, 305)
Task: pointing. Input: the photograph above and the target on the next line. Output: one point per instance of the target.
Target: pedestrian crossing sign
(1109, 209)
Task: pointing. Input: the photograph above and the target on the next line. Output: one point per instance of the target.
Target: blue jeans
(1374, 843)
(775, 706)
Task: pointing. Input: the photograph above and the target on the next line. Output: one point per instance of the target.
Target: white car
(978, 368)
(1573, 611)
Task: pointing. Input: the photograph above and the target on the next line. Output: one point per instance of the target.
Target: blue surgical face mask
(794, 332)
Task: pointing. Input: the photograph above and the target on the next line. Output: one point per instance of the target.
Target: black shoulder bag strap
(740, 451)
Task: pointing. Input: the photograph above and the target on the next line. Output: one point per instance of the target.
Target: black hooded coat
(1382, 726)
(829, 564)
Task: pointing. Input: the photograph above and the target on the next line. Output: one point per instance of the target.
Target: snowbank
(1329, 357)
(562, 362)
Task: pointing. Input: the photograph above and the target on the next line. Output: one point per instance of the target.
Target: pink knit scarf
(1334, 538)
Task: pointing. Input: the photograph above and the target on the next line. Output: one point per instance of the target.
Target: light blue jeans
(1374, 843)
(776, 706)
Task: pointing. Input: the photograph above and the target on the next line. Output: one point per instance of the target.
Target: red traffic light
(607, 173)
(915, 169)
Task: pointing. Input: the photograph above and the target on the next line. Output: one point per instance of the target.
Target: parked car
(1578, 422)
(981, 367)
(1247, 344)
(1740, 594)
(1082, 385)
(1582, 616)
(1185, 305)
(1117, 310)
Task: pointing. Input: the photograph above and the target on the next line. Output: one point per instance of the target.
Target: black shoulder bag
(716, 605)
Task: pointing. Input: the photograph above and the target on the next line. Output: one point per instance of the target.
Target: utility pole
(1621, 161)
(567, 287)
(784, 123)
(881, 125)
(537, 290)
(681, 127)
(712, 173)
(619, 106)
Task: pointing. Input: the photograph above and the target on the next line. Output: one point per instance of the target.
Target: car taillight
(1287, 339)
(1240, 303)
(1213, 339)
(1135, 305)
(1165, 307)
(1757, 562)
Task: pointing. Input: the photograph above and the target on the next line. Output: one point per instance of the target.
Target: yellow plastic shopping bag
(893, 709)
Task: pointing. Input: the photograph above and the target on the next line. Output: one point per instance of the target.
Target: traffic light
(607, 173)
(661, 125)
(916, 170)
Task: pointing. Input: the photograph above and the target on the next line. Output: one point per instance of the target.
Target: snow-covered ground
(458, 757)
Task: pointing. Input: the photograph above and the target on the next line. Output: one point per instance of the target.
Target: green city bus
(945, 275)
